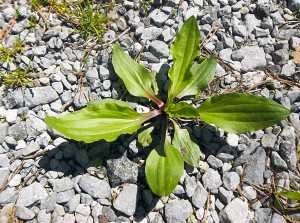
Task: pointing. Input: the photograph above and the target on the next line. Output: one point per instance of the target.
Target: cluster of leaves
(145, 5)
(16, 78)
(7, 54)
(86, 15)
(109, 118)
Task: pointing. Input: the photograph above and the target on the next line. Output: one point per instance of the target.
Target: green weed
(16, 78)
(8, 54)
(88, 17)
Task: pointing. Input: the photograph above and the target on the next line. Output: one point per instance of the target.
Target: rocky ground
(47, 178)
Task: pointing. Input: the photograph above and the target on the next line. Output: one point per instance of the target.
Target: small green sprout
(16, 78)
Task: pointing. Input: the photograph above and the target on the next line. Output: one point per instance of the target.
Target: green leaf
(189, 150)
(184, 50)
(164, 167)
(102, 119)
(144, 137)
(203, 74)
(239, 113)
(289, 194)
(137, 79)
(181, 110)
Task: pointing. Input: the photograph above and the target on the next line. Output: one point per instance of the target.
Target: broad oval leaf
(189, 150)
(240, 113)
(181, 110)
(164, 167)
(102, 119)
(144, 137)
(184, 49)
(137, 79)
(203, 74)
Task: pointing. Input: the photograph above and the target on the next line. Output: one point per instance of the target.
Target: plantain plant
(109, 118)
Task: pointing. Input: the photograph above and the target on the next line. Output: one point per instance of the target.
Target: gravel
(71, 181)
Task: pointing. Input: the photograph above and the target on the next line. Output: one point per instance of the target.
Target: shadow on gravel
(99, 159)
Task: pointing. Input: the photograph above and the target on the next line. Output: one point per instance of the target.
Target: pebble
(126, 201)
(24, 213)
(65, 193)
(122, 170)
(235, 212)
(159, 49)
(39, 96)
(231, 180)
(199, 197)
(178, 211)
(31, 194)
(95, 187)
(158, 17)
(211, 179)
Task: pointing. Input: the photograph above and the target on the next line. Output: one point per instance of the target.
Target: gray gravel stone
(211, 179)
(235, 212)
(214, 162)
(82, 212)
(3, 131)
(263, 215)
(24, 213)
(277, 218)
(149, 33)
(44, 217)
(8, 13)
(231, 180)
(35, 127)
(178, 211)
(11, 116)
(249, 192)
(121, 170)
(158, 17)
(62, 184)
(4, 173)
(199, 197)
(280, 56)
(268, 141)
(277, 161)
(30, 149)
(126, 201)
(255, 166)
(39, 96)
(7, 196)
(190, 185)
(64, 196)
(288, 147)
(73, 203)
(31, 194)
(159, 49)
(18, 130)
(254, 57)
(95, 187)
(225, 195)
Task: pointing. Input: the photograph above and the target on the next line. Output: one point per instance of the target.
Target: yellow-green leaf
(240, 113)
(164, 167)
(102, 119)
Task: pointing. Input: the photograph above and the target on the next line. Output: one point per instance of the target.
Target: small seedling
(8, 54)
(109, 118)
(145, 5)
(85, 15)
(16, 78)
